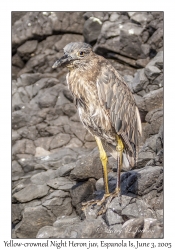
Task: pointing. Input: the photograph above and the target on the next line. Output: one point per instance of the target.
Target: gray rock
(59, 140)
(68, 38)
(28, 132)
(154, 119)
(66, 221)
(149, 178)
(61, 183)
(69, 109)
(17, 61)
(92, 28)
(138, 209)
(132, 228)
(59, 206)
(66, 169)
(78, 130)
(43, 177)
(61, 121)
(34, 218)
(152, 229)
(40, 152)
(49, 232)
(16, 168)
(74, 143)
(89, 137)
(15, 136)
(47, 100)
(31, 192)
(152, 72)
(142, 18)
(81, 193)
(16, 213)
(140, 81)
(16, 100)
(157, 61)
(43, 142)
(145, 49)
(113, 218)
(156, 40)
(152, 100)
(90, 145)
(87, 167)
(23, 146)
(27, 48)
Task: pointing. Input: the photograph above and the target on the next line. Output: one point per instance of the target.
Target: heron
(106, 108)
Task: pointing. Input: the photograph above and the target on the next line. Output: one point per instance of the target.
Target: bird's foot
(103, 203)
(108, 200)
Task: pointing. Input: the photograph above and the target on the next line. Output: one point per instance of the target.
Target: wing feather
(116, 97)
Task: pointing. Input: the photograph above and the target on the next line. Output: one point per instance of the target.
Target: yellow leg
(104, 160)
(119, 149)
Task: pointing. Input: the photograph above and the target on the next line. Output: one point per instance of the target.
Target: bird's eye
(81, 53)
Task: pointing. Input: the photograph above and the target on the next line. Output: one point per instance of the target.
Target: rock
(68, 38)
(89, 137)
(157, 61)
(69, 109)
(149, 178)
(23, 146)
(61, 121)
(81, 193)
(25, 50)
(34, 218)
(49, 232)
(59, 206)
(156, 40)
(138, 209)
(43, 142)
(61, 183)
(152, 229)
(29, 132)
(17, 61)
(47, 100)
(140, 81)
(16, 168)
(132, 228)
(152, 72)
(112, 218)
(66, 221)
(152, 100)
(16, 100)
(92, 28)
(41, 152)
(74, 143)
(66, 169)
(78, 130)
(154, 119)
(15, 136)
(59, 140)
(43, 177)
(90, 145)
(87, 167)
(145, 49)
(31, 192)
(16, 213)
(142, 18)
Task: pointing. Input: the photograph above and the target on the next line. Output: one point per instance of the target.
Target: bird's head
(75, 55)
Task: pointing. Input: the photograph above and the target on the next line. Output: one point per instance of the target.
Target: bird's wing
(116, 97)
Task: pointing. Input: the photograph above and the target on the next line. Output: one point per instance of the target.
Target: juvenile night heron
(106, 107)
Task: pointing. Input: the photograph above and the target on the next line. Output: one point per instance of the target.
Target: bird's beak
(63, 61)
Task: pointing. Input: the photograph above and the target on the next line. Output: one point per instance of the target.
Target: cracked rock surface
(55, 161)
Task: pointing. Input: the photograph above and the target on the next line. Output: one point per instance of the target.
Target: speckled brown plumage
(105, 104)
